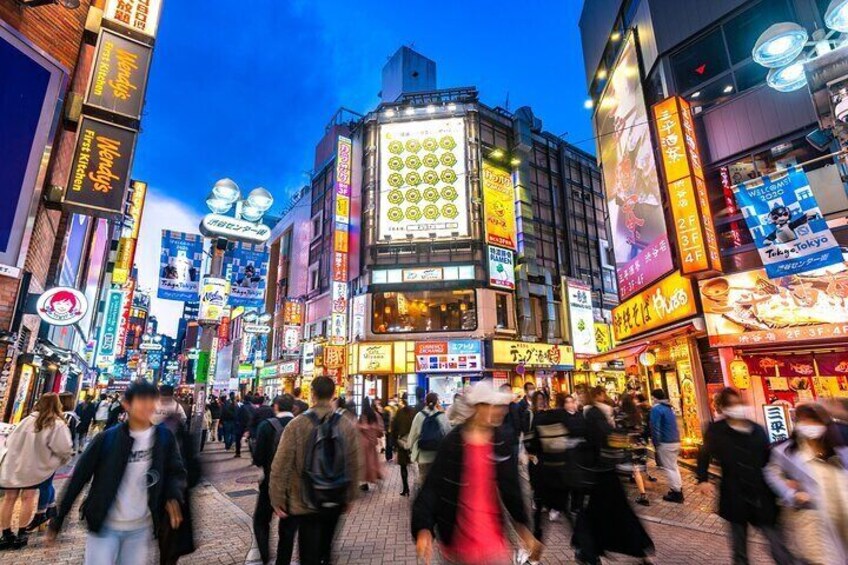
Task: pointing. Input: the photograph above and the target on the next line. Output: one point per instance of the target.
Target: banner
(107, 341)
(577, 297)
(501, 268)
(499, 207)
(449, 356)
(787, 226)
(129, 234)
(179, 265)
(119, 77)
(213, 300)
(246, 266)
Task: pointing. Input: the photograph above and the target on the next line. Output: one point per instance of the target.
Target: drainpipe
(526, 265)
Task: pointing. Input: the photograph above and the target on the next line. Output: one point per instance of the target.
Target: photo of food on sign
(750, 308)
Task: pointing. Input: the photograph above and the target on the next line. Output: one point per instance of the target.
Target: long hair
(631, 410)
(368, 414)
(816, 412)
(49, 410)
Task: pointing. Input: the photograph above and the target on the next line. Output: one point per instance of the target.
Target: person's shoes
(405, 492)
(21, 540)
(7, 540)
(236, 455)
(643, 500)
(652, 479)
(364, 488)
(674, 496)
(37, 521)
(554, 516)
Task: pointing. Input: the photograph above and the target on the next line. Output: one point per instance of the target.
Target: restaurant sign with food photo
(751, 309)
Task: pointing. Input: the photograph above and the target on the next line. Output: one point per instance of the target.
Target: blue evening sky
(244, 89)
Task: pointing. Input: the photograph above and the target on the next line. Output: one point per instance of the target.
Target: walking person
(300, 406)
(538, 407)
(473, 478)
(167, 407)
(429, 427)
(385, 415)
(215, 415)
(629, 420)
(401, 427)
(370, 427)
(315, 473)
(808, 473)
(665, 435)
(228, 422)
(124, 507)
(35, 450)
(244, 416)
(86, 411)
(741, 448)
(115, 411)
(101, 413)
(268, 434)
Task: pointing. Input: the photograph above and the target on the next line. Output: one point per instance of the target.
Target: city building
(657, 69)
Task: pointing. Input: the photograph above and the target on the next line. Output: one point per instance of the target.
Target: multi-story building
(659, 67)
(440, 235)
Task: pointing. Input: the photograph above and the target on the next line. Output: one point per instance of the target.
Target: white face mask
(737, 412)
(810, 431)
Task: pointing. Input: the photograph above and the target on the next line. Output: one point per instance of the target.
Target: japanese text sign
(670, 300)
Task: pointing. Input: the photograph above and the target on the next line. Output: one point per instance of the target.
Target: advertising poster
(101, 168)
(141, 16)
(749, 308)
(423, 188)
(246, 266)
(666, 302)
(786, 224)
(499, 207)
(639, 231)
(119, 76)
(180, 262)
(213, 299)
(24, 383)
(450, 356)
(501, 268)
(581, 316)
(107, 341)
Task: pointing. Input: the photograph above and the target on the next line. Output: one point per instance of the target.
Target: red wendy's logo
(61, 306)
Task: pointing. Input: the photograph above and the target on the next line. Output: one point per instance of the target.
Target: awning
(619, 352)
(637, 345)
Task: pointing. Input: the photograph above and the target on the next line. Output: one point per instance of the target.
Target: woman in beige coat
(35, 450)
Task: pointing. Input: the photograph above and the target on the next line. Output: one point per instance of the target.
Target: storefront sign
(124, 323)
(663, 303)
(291, 338)
(375, 358)
(423, 184)
(499, 207)
(107, 341)
(697, 244)
(213, 300)
(180, 261)
(787, 225)
(287, 368)
(334, 356)
(455, 355)
(532, 354)
(62, 306)
(749, 309)
(129, 234)
(119, 77)
(423, 275)
(501, 268)
(581, 317)
(341, 239)
(100, 169)
(622, 126)
(777, 422)
(603, 337)
(293, 312)
(218, 225)
(261, 329)
(308, 358)
(138, 15)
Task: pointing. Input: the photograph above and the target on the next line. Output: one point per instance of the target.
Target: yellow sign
(499, 207)
(739, 374)
(376, 358)
(334, 356)
(531, 354)
(670, 300)
(603, 337)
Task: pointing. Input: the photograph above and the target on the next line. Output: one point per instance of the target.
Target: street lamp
(836, 16)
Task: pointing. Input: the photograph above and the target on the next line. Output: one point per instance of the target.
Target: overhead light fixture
(588, 104)
(451, 107)
(696, 94)
(728, 89)
(602, 74)
(251, 213)
(431, 109)
(260, 199)
(250, 317)
(780, 44)
(616, 35)
(390, 113)
(789, 78)
(227, 190)
(217, 205)
(497, 154)
(265, 318)
(515, 161)
(836, 16)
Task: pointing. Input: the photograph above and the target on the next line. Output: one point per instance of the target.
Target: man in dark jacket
(741, 448)
(228, 421)
(86, 411)
(300, 406)
(124, 508)
(268, 436)
(215, 413)
(244, 415)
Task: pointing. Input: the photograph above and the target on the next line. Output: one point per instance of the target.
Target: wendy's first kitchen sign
(119, 77)
(101, 168)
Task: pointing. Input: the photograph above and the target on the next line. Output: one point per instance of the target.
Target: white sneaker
(521, 556)
(554, 516)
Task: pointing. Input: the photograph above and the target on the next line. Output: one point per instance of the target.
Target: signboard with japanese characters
(308, 364)
(697, 245)
(119, 76)
(448, 356)
(501, 268)
(293, 312)
(218, 225)
(581, 317)
(334, 356)
(341, 239)
(499, 207)
(666, 302)
(129, 233)
(526, 354)
(141, 16)
(777, 422)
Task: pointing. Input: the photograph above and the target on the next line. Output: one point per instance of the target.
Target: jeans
(112, 547)
(668, 455)
(315, 538)
(46, 495)
(287, 528)
(228, 434)
(404, 477)
(777, 547)
(213, 430)
(239, 434)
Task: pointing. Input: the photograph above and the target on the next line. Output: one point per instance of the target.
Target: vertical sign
(581, 317)
(129, 233)
(501, 268)
(338, 317)
(107, 342)
(697, 244)
(124, 322)
(119, 76)
(777, 422)
(499, 207)
(141, 16)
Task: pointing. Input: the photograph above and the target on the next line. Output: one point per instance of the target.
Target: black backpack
(431, 433)
(325, 477)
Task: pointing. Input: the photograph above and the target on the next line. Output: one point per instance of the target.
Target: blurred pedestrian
(315, 473)
(101, 413)
(472, 480)
(66, 399)
(215, 414)
(629, 420)
(838, 410)
(244, 416)
(429, 427)
(35, 450)
(420, 399)
(401, 427)
(385, 415)
(371, 429)
(228, 422)
(741, 448)
(666, 437)
(261, 412)
(299, 405)
(124, 508)
(86, 411)
(167, 406)
(808, 473)
(459, 411)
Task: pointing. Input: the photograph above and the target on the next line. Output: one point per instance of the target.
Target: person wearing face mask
(808, 473)
(741, 448)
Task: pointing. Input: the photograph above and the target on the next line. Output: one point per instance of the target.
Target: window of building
(743, 30)
(700, 61)
(317, 226)
(424, 311)
(502, 311)
(314, 277)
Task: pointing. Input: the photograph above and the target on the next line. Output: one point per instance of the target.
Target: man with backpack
(429, 428)
(315, 473)
(268, 434)
(244, 415)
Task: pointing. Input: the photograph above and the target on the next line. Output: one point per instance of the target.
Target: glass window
(749, 75)
(424, 311)
(743, 30)
(716, 90)
(502, 310)
(700, 61)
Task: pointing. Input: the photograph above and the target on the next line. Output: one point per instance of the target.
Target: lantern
(739, 375)
(647, 359)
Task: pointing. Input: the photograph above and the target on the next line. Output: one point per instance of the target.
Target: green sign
(201, 368)
(268, 372)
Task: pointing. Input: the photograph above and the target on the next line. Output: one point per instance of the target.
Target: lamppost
(245, 225)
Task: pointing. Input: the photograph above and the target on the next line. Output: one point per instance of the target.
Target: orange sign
(697, 244)
(663, 303)
(334, 356)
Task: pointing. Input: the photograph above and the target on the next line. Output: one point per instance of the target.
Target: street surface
(376, 531)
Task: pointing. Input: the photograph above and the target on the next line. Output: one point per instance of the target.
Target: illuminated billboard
(639, 231)
(423, 188)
